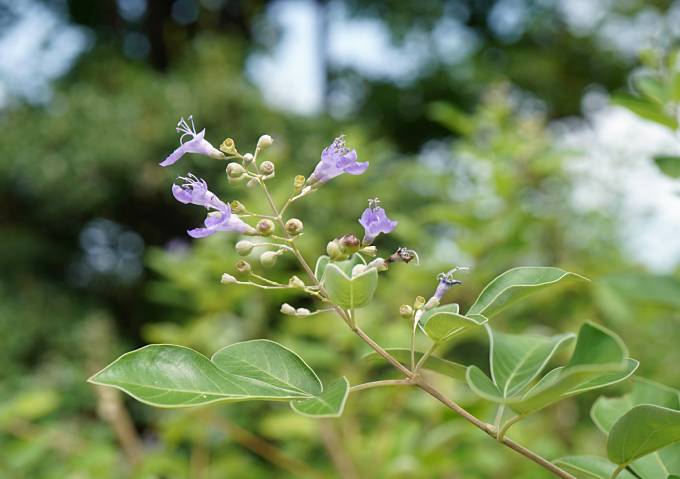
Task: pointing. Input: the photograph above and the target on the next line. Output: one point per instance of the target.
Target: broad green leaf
(330, 403)
(516, 360)
(433, 363)
(513, 285)
(606, 411)
(590, 467)
(271, 363)
(166, 375)
(642, 430)
(646, 109)
(598, 361)
(350, 292)
(670, 165)
(444, 322)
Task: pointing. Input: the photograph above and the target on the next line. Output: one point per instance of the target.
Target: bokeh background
(492, 138)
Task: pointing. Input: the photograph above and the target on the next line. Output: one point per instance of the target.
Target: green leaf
(320, 266)
(330, 403)
(590, 467)
(166, 375)
(670, 165)
(433, 363)
(646, 109)
(271, 363)
(513, 285)
(350, 291)
(599, 360)
(516, 360)
(444, 322)
(642, 430)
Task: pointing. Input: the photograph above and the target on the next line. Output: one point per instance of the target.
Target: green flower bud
(406, 311)
(264, 142)
(237, 207)
(298, 183)
(369, 250)
(334, 251)
(229, 147)
(243, 267)
(228, 279)
(265, 227)
(244, 247)
(419, 302)
(235, 171)
(268, 259)
(294, 226)
(267, 168)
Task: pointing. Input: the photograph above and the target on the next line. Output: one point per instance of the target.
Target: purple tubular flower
(337, 159)
(195, 191)
(197, 144)
(375, 221)
(445, 283)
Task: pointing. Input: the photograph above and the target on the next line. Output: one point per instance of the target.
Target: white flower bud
(287, 309)
(302, 312)
(268, 259)
(248, 158)
(235, 171)
(296, 282)
(431, 303)
(244, 247)
(264, 142)
(267, 168)
(358, 269)
(228, 279)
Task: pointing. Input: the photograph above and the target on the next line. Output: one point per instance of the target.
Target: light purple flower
(197, 144)
(337, 159)
(375, 221)
(195, 191)
(446, 282)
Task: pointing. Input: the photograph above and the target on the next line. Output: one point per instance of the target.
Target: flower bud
(265, 227)
(406, 311)
(302, 312)
(349, 244)
(296, 282)
(379, 264)
(287, 309)
(229, 147)
(235, 171)
(264, 142)
(248, 158)
(369, 250)
(358, 269)
(268, 259)
(294, 226)
(298, 183)
(244, 247)
(334, 252)
(243, 267)
(237, 207)
(251, 183)
(267, 168)
(228, 279)
(419, 302)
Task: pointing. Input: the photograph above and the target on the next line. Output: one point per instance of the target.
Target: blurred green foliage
(489, 191)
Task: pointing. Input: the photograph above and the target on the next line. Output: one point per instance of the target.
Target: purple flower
(446, 282)
(375, 221)
(197, 144)
(195, 191)
(337, 159)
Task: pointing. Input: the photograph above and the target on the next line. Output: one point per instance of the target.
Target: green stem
(508, 425)
(618, 471)
(377, 384)
(425, 356)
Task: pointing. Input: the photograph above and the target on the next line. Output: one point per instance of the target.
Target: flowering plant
(344, 280)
